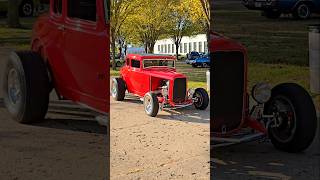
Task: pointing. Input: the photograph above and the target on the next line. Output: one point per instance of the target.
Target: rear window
(82, 9)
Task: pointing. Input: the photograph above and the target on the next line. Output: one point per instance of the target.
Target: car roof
(150, 56)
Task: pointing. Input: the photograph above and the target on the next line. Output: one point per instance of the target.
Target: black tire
(118, 89)
(118, 64)
(151, 104)
(302, 11)
(26, 8)
(297, 126)
(31, 103)
(202, 99)
(194, 65)
(271, 14)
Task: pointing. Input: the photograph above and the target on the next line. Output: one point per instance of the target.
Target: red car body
(284, 113)
(76, 52)
(140, 81)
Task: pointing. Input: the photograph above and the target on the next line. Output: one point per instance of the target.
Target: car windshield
(158, 63)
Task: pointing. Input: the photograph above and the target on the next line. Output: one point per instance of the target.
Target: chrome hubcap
(14, 87)
(114, 90)
(148, 104)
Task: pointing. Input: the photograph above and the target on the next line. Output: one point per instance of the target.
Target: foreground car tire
(26, 87)
(294, 126)
(202, 99)
(302, 11)
(118, 89)
(151, 104)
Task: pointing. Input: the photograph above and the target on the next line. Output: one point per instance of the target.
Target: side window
(57, 7)
(82, 9)
(135, 63)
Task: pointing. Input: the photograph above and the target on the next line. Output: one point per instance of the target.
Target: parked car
(285, 113)
(203, 61)
(68, 53)
(26, 7)
(119, 60)
(154, 79)
(300, 9)
(192, 56)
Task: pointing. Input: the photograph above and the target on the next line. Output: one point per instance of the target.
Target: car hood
(163, 73)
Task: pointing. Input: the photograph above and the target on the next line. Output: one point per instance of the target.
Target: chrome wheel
(147, 104)
(283, 125)
(14, 87)
(114, 89)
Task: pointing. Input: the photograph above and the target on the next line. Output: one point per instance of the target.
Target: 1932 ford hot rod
(284, 113)
(154, 79)
(69, 53)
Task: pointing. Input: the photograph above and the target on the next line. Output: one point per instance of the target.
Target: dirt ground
(174, 145)
(69, 144)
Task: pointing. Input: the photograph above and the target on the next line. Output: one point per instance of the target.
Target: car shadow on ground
(80, 125)
(69, 119)
(187, 114)
(260, 160)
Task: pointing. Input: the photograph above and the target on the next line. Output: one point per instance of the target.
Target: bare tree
(13, 20)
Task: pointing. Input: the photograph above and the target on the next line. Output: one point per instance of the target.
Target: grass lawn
(16, 38)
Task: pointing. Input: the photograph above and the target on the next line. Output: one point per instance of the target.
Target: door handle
(61, 28)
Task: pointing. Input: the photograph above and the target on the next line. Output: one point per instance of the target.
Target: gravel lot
(174, 145)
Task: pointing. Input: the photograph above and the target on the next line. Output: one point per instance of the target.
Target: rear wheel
(294, 124)
(272, 14)
(151, 104)
(118, 89)
(201, 99)
(302, 11)
(26, 8)
(26, 87)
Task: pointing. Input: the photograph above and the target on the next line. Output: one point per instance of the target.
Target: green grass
(16, 38)
(282, 40)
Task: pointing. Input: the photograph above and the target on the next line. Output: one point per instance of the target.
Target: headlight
(261, 92)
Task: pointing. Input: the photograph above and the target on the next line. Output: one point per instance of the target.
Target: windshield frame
(174, 63)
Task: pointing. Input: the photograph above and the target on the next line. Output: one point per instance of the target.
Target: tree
(149, 22)
(120, 10)
(13, 20)
(182, 23)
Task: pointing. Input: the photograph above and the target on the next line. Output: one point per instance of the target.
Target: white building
(193, 43)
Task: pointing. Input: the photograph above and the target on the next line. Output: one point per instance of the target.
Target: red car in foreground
(155, 80)
(69, 52)
(285, 113)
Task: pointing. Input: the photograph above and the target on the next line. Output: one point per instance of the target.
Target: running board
(219, 142)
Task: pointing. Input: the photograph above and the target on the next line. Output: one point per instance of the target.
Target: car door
(86, 52)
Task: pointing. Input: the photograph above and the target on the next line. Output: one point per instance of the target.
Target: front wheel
(294, 124)
(201, 99)
(151, 104)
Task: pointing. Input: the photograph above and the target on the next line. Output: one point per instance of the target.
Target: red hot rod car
(69, 52)
(284, 113)
(154, 79)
